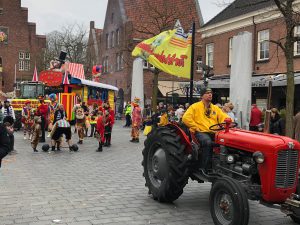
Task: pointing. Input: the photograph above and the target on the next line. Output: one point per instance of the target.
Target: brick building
(263, 20)
(127, 23)
(20, 47)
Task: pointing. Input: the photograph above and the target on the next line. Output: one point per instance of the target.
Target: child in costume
(100, 130)
(53, 106)
(81, 124)
(107, 128)
(148, 125)
(36, 130)
(26, 119)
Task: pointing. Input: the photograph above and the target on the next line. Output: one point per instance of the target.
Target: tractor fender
(183, 137)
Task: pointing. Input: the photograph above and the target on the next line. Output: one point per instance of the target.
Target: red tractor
(246, 165)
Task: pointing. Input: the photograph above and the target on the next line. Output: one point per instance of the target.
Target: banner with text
(170, 51)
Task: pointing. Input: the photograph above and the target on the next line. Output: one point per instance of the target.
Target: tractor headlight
(258, 157)
(230, 159)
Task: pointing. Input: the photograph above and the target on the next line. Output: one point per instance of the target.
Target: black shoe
(71, 149)
(35, 150)
(53, 148)
(99, 149)
(58, 149)
(106, 144)
(132, 140)
(80, 142)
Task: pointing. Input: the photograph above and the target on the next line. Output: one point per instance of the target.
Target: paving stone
(89, 187)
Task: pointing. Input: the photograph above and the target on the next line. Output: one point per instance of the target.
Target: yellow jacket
(163, 120)
(195, 118)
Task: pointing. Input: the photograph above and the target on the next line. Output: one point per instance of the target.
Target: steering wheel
(221, 126)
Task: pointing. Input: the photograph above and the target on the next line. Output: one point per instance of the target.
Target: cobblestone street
(89, 187)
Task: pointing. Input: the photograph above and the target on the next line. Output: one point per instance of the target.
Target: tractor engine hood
(254, 141)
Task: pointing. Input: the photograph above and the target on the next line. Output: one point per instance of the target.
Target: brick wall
(22, 37)
(276, 62)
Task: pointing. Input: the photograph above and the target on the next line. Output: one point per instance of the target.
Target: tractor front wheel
(228, 203)
(165, 164)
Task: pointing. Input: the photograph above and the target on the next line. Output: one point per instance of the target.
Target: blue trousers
(206, 141)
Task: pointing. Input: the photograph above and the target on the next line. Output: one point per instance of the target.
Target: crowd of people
(99, 119)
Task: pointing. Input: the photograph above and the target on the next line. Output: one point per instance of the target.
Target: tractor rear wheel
(228, 203)
(165, 164)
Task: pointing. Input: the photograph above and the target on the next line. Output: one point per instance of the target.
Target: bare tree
(71, 39)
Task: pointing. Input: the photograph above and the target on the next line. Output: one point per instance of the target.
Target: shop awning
(93, 84)
(171, 87)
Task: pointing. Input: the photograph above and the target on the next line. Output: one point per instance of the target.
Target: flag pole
(192, 64)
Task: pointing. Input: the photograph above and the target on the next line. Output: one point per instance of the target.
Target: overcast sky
(54, 14)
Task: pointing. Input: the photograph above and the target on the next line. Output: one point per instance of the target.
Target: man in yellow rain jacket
(198, 118)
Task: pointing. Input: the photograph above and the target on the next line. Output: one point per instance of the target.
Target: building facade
(263, 20)
(129, 22)
(20, 47)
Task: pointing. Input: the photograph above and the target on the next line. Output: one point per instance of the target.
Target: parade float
(68, 82)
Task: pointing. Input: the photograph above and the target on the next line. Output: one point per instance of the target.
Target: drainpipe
(254, 44)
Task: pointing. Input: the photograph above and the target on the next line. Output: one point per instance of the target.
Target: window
(230, 51)
(151, 66)
(118, 62)
(210, 55)
(297, 43)
(118, 37)
(199, 64)
(112, 42)
(27, 55)
(121, 61)
(21, 55)
(107, 41)
(24, 61)
(1, 11)
(145, 64)
(263, 45)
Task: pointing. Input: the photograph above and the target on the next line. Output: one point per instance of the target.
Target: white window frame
(263, 45)
(26, 65)
(121, 61)
(199, 65)
(118, 62)
(21, 55)
(151, 66)
(112, 42)
(230, 51)
(297, 43)
(107, 41)
(209, 55)
(27, 55)
(21, 65)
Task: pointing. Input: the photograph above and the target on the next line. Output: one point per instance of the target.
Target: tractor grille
(286, 171)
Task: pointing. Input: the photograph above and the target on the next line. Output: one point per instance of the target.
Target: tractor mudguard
(183, 137)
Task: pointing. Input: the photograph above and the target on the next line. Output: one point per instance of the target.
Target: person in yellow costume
(163, 121)
(198, 118)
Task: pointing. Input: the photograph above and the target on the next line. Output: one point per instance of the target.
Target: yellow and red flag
(170, 51)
